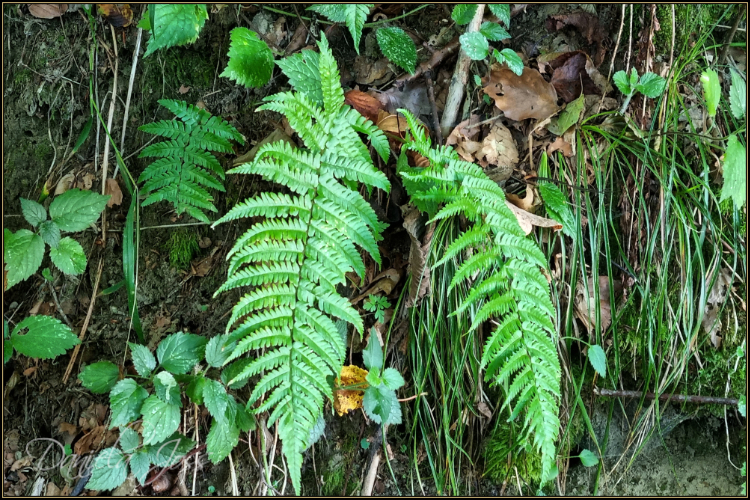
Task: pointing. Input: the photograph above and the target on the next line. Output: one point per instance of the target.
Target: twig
(127, 99)
(667, 397)
(412, 397)
(57, 303)
(630, 41)
(460, 78)
(372, 471)
(431, 94)
(725, 50)
(105, 160)
(437, 58)
(617, 45)
(85, 323)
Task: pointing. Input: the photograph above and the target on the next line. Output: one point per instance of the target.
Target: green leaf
(216, 400)
(493, 31)
(354, 15)
(373, 377)
(129, 440)
(160, 420)
(179, 352)
(398, 47)
(598, 359)
(477, 81)
(125, 402)
(588, 458)
(23, 252)
(250, 59)
(47, 274)
(171, 450)
(82, 136)
(46, 338)
(393, 379)
(557, 207)
(382, 406)
(509, 57)
(303, 72)
(100, 377)
(216, 353)
(33, 212)
(621, 81)
(373, 353)
(738, 96)
(221, 440)
(463, 13)
(143, 360)
(475, 45)
(167, 389)
(364, 444)
(651, 85)
(140, 463)
(742, 406)
(68, 256)
(194, 389)
(502, 11)
(7, 350)
(735, 173)
(633, 78)
(176, 24)
(238, 414)
(75, 210)
(50, 233)
(711, 90)
(234, 369)
(317, 431)
(110, 470)
(571, 114)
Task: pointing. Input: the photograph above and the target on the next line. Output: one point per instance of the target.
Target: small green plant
(650, 85)
(378, 305)
(181, 173)
(476, 44)
(380, 401)
(182, 247)
(168, 376)
(250, 59)
(46, 338)
(172, 25)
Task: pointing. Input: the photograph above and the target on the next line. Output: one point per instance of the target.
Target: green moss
(503, 451)
(182, 247)
(690, 19)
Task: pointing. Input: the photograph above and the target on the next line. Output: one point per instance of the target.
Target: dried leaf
(367, 105)
(119, 15)
(371, 73)
(573, 72)
(499, 154)
(346, 401)
(562, 145)
(419, 271)
(463, 138)
(413, 97)
(521, 97)
(275, 136)
(183, 89)
(204, 242)
(69, 428)
(526, 203)
(383, 282)
(65, 183)
(113, 189)
(52, 490)
(47, 10)
(30, 371)
(587, 24)
(585, 307)
(711, 322)
(527, 220)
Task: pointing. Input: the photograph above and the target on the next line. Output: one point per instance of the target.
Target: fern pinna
(520, 354)
(181, 174)
(296, 256)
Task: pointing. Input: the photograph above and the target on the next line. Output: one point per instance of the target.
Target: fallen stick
(667, 397)
(372, 471)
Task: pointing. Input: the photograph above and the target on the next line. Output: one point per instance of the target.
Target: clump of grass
(504, 454)
(182, 246)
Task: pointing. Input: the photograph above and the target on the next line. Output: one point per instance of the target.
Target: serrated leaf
(598, 359)
(179, 352)
(588, 458)
(509, 57)
(129, 440)
(143, 361)
(398, 47)
(167, 389)
(33, 212)
(234, 369)
(194, 389)
(50, 233)
(140, 463)
(216, 399)
(393, 379)
(221, 440)
(75, 210)
(175, 24)
(171, 450)
(735, 173)
(68, 256)
(160, 420)
(46, 338)
(303, 72)
(100, 377)
(622, 83)
(382, 406)
(463, 13)
(493, 31)
(633, 78)
(475, 45)
(250, 59)
(238, 414)
(502, 11)
(738, 96)
(353, 15)
(110, 470)
(711, 90)
(23, 252)
(125, 402)
(372, 355)
(651, 85)
(216, 353)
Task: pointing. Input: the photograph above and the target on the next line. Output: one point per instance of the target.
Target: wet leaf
(521, 97)
(493, 31)
(475, 45)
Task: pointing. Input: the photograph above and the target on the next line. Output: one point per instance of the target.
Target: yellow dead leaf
(347, 401)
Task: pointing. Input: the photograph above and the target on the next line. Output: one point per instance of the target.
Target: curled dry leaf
(367, 105)
(560, 144)
(588, 25)
(113, 189)
(421, 237)
(573, 72)
(711, 322)
(585, 307)
(65, 183)
(521, 97)
(119, 15)
(347, 401)
(527, 220)
(47, 10)
(464, 138)
(499, 154)
(383, 282)
(528, 202)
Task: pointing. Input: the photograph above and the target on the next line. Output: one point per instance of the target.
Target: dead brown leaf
(527, 220)
(421, 237)
(464, 138)
(528, 202)
(52, 490)
(711, 322)
(119, 15)
(113, 189)
(588, 25)
(585, 307)
(562, 145)
(87, 180)
(499, 154)
(371, 73)
(347, 400)
(521, 97)
(65, 183)
(30, 371)
(366, 104)
(47, 10)
(574, 72)
(204, 242)
(383, 282)
(183, 89)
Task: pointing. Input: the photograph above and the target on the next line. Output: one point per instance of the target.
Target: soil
(46, 104)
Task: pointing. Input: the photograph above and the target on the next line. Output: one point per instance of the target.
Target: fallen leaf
(572, 73)
(711, 322)
(526, 203)
(345, 400)
(413, 97)
(275, 136)
(21, 463)
(69, 428)
(367, 105)
(392, 123)
(587, 24)
(30, 371)
(527, 220)
(421, 237)
(52, 490)
(383, 282)
(183, 89)
(499, 154)
(65, 183)
(113, 189)
(484, 409)
(47, 10)
(562, 145)
(463, 138)
(118, 15)
(160, 482)
(594, 104)
(585, 307)
(521, 97)
(204, 242)
(277, 33)
(371, 73)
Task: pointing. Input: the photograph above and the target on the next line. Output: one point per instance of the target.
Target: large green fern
(181, 174)
(295, 257)
(520, 354)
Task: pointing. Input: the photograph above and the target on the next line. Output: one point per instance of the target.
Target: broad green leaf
(216, 399)
(129, 440)
(140, 463)
(493, 31)
(382, 406)
(509, 57)
(194, 389)
(7, 350)
(238, 414)
(373, 353)
(33, 212)
(46, 338)
(125, 402)
(475, 45)
(109, 471)
(738, 96)
(50, 233)
(221, 440)
(143, 360)
(373, 377)
(303, 72)
(711, 90)
(393, 379)
(735, 173)
(463, 13)
(168, 452)
(651, 85)
(570, 114)
(633, 78)
(216, 353)
(250, 59)
(23, 252)
(353, 15)
(502, 11)
(68, 256)
(175, 24)
(622, 83)
(167, 389)
(75, 210)
(100, 377)
(234, 369)
(598, 359)
(398, 47)
(160, 420)
(588, 458)
(179, 352)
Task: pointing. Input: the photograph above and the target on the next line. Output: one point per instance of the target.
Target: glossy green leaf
(46, 338)
(75, 210)
(109, 470)
(33, 212)
(475, 45)
(50, 233)
(372, 355)
(598, 359)
(463, 13)
(398, 47)
(125, 402)
(167, 389)
(179, 352)
(160, 420)
(250, 59)
(23, 252)
(651, 85)
(622, 83)
(711, 90)
(143, 360)
(588, 458)
(738, 96)
(175, 24)
(509, 57)
(502, 11)
(100, 377)
(129, 440)
(216, 353)
(68, 256)
(493, 31)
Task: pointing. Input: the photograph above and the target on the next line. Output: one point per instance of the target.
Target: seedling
(378, 305)
(650, 85)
